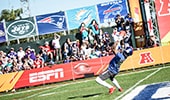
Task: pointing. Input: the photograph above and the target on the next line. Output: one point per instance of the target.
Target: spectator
(119, 20)
(82, 50)
(67, 48)
(129, 22)
(67, 60)
(4, 60)
(116, 35)
(78, 43)
(95, 46)
(47, 52)
(91, 38)
(26, 66)
(104, 53)
(20, 53)
(57, 47)
(20, 65)
(38, 63)
(101, 36)
(9, 65)
(106, 40)
(109, 49)
(15, 67)
(30, 52)
(127, 37)
(30, 61)
(75, 49)
(83, 30)
(87, 51)
(12, 53)
(94, 28)
(93, 54)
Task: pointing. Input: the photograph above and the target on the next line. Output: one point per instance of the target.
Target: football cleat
(120, 90)
(111, 90)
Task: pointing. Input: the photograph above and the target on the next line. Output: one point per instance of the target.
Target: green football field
(88, 89)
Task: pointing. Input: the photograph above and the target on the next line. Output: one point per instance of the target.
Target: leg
(60, 54)
(101, 80)
(115, 82)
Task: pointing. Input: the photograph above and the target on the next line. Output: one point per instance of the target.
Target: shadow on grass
(85, 96)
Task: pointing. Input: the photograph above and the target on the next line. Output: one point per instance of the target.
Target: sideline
(130, 89)
(81, 81)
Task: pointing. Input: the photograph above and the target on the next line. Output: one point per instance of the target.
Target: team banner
(9, 80)
(49, 23)
(2, 33)
(76, 16)
(163, 16)
(147, 57)
(63, 72)
(20, 28)
(108, 11)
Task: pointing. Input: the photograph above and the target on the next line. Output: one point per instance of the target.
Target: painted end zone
(159, 91)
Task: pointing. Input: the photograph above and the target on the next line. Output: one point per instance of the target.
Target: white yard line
(57, 86)
(130, 89)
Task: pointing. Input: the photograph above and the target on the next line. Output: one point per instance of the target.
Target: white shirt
(20, 54)
(56, 43)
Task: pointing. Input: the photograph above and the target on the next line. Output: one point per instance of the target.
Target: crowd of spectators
(20, 60)
(93, 43)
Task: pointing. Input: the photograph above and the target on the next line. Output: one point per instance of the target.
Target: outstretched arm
(114, 47)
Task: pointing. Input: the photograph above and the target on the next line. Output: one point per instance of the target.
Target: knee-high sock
(101, 82)
(115, 82)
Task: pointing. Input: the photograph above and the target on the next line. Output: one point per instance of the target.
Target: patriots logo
(56, 20)
(46, 20)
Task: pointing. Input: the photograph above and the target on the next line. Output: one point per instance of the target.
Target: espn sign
(46, 75)
(146, 58)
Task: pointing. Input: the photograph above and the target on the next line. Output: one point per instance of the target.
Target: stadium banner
(20, 28)
(81, 69)
(147, 57)
(44, 75)
(2, 33)
(49, 23)
(9, 80)
(76, 16)
(62, 72)
(108, 11)
(163, 16)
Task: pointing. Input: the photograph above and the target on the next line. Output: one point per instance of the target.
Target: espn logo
(46, 75)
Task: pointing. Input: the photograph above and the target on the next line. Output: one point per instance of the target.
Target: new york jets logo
(20, 28)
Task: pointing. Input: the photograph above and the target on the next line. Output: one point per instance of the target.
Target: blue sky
(38, 7)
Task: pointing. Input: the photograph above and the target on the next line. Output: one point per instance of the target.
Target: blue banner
(77, 16)
(49, 23)
(2, 33)
(108, 11)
